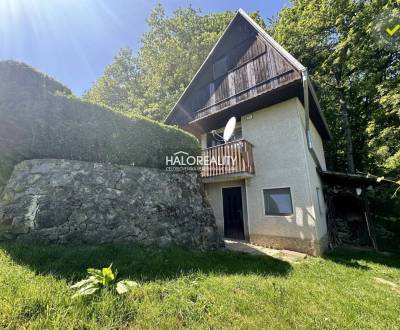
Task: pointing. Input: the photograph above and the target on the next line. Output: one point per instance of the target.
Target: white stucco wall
(315, 181)
(203, 141)
(281, 160)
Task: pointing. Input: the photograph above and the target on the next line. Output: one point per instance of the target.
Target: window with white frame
(277, 201)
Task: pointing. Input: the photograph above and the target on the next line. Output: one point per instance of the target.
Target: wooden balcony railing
(229, 158)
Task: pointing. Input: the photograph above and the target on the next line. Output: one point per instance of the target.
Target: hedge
(39, 118)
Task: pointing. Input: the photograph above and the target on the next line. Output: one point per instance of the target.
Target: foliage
(397, 183)
(335, 40)
(172, 51)
(119, 86)
(35, 123)
(384, 129)
(102, 278)
(183, 289)
(31, 77)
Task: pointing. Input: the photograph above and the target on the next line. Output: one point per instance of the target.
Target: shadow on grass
(352, 257)
(144, 264)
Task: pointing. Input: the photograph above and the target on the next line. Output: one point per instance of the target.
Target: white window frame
(284, 215)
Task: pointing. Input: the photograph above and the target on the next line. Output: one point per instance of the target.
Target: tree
(333, 38)
(384, 126)
(357, 80)
(172, 51)
(118, 87)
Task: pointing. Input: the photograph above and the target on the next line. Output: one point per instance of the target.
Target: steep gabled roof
(297, 66)
(271, 41)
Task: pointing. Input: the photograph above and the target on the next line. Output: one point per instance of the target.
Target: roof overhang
(264, 100)
(219, 119)
(262, 32)
(347, 179)
(269, 98)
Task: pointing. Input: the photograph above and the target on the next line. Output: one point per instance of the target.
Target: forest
(357, 78)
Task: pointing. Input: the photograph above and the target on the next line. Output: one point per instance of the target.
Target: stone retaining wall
(65, 201)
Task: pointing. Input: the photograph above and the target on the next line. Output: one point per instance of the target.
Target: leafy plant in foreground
(99, 279)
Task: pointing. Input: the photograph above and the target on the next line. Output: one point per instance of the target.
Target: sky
(74, 40)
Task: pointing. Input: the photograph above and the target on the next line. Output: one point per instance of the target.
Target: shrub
(40, 118)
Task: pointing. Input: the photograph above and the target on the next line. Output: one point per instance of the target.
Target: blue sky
(74, 40)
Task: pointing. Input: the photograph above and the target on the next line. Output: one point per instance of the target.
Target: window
(277, 201)
(220, 67)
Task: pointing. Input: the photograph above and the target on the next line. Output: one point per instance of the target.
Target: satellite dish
(229, 128)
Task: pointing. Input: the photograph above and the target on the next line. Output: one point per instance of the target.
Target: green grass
(199, 290)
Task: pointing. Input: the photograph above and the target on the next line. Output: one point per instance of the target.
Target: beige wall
(315, 181)
(203, 141)
(281, 159)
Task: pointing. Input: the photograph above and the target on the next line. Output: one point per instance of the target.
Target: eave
(270, 97)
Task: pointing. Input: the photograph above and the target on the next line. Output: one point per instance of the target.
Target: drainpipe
(304, 74)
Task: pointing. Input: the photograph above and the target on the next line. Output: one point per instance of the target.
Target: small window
(277, 201)
(220, 67)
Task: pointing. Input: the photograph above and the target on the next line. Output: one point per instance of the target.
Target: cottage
(272, 193)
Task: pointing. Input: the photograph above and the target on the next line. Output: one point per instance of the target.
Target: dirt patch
(395, 287)
(286, 255)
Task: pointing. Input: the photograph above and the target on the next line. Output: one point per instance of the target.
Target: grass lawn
(199, 290)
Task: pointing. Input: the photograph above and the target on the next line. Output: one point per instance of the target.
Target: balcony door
(233, 213)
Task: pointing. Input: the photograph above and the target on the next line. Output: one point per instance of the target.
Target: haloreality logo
(183, 161)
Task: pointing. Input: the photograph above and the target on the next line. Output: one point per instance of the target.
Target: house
(272, 194)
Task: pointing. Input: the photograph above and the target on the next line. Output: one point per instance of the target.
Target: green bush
(40, 118)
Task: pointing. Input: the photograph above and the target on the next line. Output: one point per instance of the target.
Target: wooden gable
(245, 71)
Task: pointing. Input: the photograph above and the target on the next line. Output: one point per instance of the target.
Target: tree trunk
(346, 126)
(347, 135)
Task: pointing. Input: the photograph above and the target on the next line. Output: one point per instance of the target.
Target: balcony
(227, 161)
(255, 75)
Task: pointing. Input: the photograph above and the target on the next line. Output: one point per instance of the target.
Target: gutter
(306, 84)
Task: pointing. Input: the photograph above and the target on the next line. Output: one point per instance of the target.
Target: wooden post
(367, 215)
